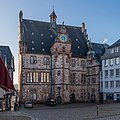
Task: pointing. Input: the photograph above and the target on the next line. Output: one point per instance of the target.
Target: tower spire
(53, 7)
(53, 17)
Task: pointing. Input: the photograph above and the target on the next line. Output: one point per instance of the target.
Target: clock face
(63, 37)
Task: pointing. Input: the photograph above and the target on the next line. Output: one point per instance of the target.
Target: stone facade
(62, 71)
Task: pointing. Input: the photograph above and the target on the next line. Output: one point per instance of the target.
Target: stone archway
(72, 98)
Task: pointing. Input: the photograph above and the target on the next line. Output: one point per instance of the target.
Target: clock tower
(61, 54)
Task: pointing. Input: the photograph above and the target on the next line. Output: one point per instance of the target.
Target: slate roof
(98, 48)
(117, 43)
(53, 14)
(5, 51)
(109, 55)
(39, 36)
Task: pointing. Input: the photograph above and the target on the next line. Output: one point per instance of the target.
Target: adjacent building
(110, 76)
(8, 59)
(56, 60)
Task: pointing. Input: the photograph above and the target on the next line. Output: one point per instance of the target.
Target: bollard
(97, 110)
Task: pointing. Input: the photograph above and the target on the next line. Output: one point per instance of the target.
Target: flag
(5, 81)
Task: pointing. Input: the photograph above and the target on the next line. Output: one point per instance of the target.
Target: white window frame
(112, 50)
(117, 72)
(106, 62)
(116, 49)
(111, 61)
(117, 60)
(106, 76)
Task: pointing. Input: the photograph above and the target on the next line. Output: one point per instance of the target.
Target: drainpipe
(51, 82)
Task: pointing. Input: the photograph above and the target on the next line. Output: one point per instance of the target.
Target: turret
(84, 30)
(83, 26)
(20, 16)
(53, 19)
(20, 25)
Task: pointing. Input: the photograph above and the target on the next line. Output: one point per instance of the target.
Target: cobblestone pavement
(79, 111)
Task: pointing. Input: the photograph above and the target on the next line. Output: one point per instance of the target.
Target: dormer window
(33, 33)
(41, 34)
(111, 61)
(117, 60)
(33, 48)
(43, 49)
(112, 50)
(106, 62)
(116, 49)
(76, 39)
(42, 43)
(32, 42)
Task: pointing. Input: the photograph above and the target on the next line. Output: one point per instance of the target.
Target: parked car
(28, 104)
(51, 101)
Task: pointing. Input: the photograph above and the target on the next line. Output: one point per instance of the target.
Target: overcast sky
(102, 18)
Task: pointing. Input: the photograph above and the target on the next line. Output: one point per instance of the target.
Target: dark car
(51, 101)
(28, 104)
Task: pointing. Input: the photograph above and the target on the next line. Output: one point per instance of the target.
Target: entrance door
(72, 98)
(93, 98)
(59, 100)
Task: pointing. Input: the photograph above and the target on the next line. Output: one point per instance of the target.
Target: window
(116, 49)
(109, 96)
(33, 59)
(106, 73)
(117, 60)
(73, 62)
(46, 61)
(45, 77)
(83, 64)
(106, 84)
(58, 73)
(88, 81)
(29, 77)
(48, 80)
(111, 73)
(93, 90)
(112, 50)
(93, 70)
(101, 85)
(32, 33)
(117, 83)
(35, 77)
(32, 42)
(111, 84)
(67, 60)
(72, 77)
(90, 62)
(106, 62)
(93, 80)
(83, 78)
(117, 72)
(32, 77)
(33, 48)
(111, 61)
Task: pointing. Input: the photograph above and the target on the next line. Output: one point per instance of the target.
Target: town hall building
(57, 60)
